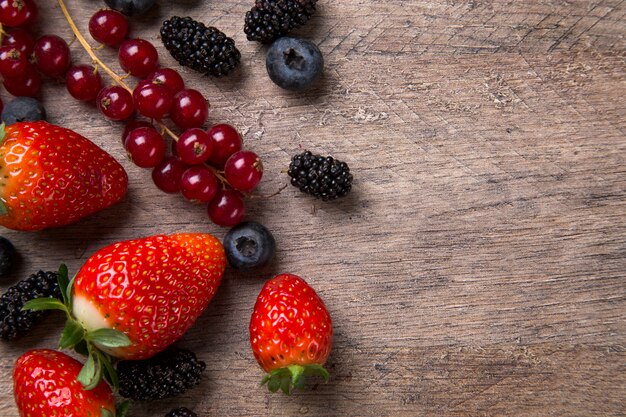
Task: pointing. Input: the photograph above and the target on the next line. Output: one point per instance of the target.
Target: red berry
(17, 12)
(20, 39)
(227, 208)
(109, 27)
(51, 55)
(168, 173)
(132, 125)
(27, 84)
(12, 62)
(153, 100)
(145, 147)
(168, 77)
(198, 183)
(194, 146)
(138, 57)
(243, 171)
(116, 103)
(83, 82)
(226, 142)
(190, 109)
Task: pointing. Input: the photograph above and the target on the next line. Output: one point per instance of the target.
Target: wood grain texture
(478, 268)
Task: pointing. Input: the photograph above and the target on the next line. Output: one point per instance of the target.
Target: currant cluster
(23, 60)
(208, 167)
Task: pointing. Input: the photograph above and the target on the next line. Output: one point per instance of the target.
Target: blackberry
(168, 374)
(201, 48)
(181, 412)
(271, 19)
(322, 177)
(13, 321)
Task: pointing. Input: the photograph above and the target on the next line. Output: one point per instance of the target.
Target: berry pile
(208, 167)
(24, 60)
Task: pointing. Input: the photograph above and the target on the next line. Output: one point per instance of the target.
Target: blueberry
(130, 7)
(7, 256)
(294, 64)
(249, 245)
(23, 109)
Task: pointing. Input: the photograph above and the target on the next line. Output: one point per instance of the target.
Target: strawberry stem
(293, 377)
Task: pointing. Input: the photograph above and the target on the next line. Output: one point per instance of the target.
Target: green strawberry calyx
(84, 342)
(293, 377)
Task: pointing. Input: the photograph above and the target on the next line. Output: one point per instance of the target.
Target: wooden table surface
(478, 268)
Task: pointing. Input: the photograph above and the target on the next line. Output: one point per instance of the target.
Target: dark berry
(51, 55)
(194, 146)
(20, 39)
(83, 82)
(165, 375)
(226, 141)
(181, 412)
(322, 177)
(201, 48)
(244, 171)
(12, 62)
(132, 125)
(7, 255)
(146, 147)
(115, 102)
(138, 57)
(153, 100)
(249, 245)
(198, 183)
(27, 84)
(167, 175)
(14, 321)
(169, 78)
(270, 19)
(294, 64)
(109, 27)
(17, 12)
(130, 7)
(23, 109)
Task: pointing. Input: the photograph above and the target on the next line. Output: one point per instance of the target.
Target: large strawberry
(290, 332)
(133, 299)
(45, 384)
(52, 177)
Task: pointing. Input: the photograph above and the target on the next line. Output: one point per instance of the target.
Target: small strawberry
(133, 299)
(45, 384)
(290, 332)
(52, 177)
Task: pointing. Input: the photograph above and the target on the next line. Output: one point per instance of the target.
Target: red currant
(51, 55)
(12, 62)
(168, 173)
(27, 84)
(19, 39)
(132, 125)
(83, 82)
(115, 102)
(190, 109)
(138, 57)
(194, 146)
(227, 208)
(109, 27)
(244, 171)
(17, 12)
(168, 77)
(226, 141)
(153, 100)
(198, 183)
(145, 147)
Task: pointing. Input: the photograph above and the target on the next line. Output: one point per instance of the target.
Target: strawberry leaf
(88, 373)
(63, 280)
(96, 377)
(122, 409)
(3, 209)
(293, 377)
(3, 132)
(106, 413)
(109, 372)
(41, 304)
(109, 338)
(73, 334)
(81, 348)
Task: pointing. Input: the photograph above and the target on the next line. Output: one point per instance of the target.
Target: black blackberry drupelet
(322, 177)
(201, 48)
(13, 321)
(271, 19)
(168, 374)
(181, 412)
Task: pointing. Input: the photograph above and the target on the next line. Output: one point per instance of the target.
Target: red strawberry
(53, 177)
(290, 332)
(133, 299)
(45, 384)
